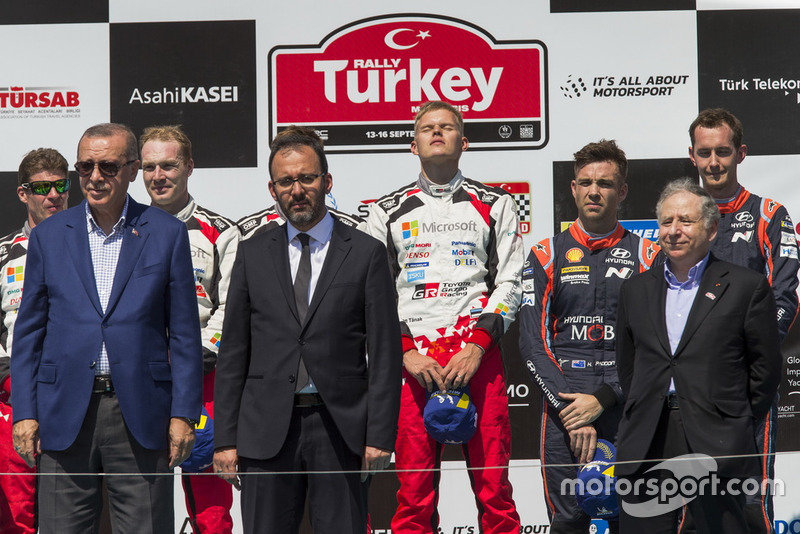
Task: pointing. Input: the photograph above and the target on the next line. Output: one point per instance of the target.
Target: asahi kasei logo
(362, 85)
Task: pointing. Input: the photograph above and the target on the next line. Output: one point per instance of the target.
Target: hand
(374, 460)
(582, 410)
(181, 441)
(424, 369)
(463, 366)
(583, 441)
(226, 465)
(26, 440)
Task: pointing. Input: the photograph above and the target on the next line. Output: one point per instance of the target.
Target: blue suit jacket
(151, 328)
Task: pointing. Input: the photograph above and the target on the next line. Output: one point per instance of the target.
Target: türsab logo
(50, 102)
(362, 85)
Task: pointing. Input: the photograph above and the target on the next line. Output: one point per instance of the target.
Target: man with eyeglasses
(167, 165)
(753, 232)
(44, 189)
(295, 393)
(456, 255)
(107, 364)
(261, 221)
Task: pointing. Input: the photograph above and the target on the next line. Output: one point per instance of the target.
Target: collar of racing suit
(596, 243)
(734, 204)
(186, 213)
(436, 190)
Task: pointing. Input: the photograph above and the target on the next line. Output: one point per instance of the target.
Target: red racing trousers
(490, 447)
(208, 497)
(17, 492)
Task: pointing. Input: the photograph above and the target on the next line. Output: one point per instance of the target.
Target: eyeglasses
(43, 187)
(108, 169)
(304, 179)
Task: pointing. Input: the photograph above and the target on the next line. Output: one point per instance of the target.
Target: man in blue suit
(107, 365)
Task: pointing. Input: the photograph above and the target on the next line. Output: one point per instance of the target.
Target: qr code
(526, 131)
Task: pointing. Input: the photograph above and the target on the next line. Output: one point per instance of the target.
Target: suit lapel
(134, 236)
(278, 251)
(77, 239)
(712, 286)
(338, 249)
(658, 293)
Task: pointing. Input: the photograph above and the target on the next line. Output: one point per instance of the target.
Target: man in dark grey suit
(294, 388)
(699, 361)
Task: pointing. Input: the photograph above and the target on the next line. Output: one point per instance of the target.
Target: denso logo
(41, 97)
(364, 82)
(417, 255)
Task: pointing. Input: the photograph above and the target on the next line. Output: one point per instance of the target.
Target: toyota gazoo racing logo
(361, 86)
(425, 291)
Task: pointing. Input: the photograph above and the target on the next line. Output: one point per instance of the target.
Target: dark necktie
(301, 283)
(303, 278)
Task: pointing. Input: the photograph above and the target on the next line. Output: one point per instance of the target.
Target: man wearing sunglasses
(166, 166)
(44, 189)
(107, 363)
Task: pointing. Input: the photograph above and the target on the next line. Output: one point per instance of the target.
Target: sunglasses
(108, 169)
(43, 187)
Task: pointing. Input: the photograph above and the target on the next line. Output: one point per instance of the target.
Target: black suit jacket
(726, 367)
(353, 309)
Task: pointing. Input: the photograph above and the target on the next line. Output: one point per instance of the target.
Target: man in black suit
(699, 361)
(294, 389)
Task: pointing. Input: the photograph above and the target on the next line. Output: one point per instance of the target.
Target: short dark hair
(708, 207)
(40, 160)
(294, 137)
(715, 118)
(109, 129)
(603, 150)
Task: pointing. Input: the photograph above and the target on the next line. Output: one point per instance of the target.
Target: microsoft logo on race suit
(362, 84)
(410, 229)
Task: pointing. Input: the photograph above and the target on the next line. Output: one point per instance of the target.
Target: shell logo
(574, 255)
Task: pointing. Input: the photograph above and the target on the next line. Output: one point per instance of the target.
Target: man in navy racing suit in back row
(753, 232)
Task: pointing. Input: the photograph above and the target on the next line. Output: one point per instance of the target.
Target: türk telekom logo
(363, 84)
